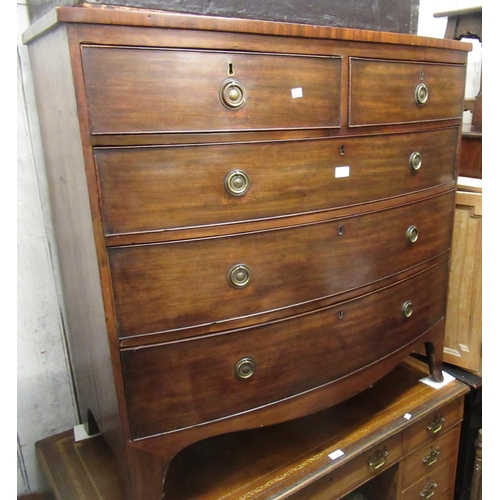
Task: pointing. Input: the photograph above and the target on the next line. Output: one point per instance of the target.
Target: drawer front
(187, 382)
(205, 281)
(384, 92)
(158, 90)
(430, 428)
(145, 189)
(354, 473)
(439, 484)
(430, 456)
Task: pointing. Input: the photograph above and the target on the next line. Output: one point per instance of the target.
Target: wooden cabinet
(463, 337)
(396, 440)
(254, 219)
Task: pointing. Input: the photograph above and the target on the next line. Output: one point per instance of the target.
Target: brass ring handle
(239, 276)
(421, 94)
(415, 161)
(431, 457)
(436, 425)
(411, 235)
(407, 309)
(429, 490)
(245, 368)
(237, 183)
(232, 94)
(378, 460)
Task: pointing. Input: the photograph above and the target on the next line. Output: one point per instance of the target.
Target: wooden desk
(291, 460)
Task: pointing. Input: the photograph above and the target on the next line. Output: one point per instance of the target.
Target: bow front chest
(254, 219)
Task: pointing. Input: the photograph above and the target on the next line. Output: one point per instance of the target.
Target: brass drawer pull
(429, 490)
(239, 276)
(431, 457)
(407, 309)
(436, 425)
(421, 94)
(237, 183)
(232, 94)
(411, 235)
(245, 368)
(378, 460)
(415, 161)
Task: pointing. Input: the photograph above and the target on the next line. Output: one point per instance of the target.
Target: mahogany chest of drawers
(254, 219)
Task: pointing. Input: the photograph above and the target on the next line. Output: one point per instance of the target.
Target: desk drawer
(384, 92)
(213, 280)
(353, 474)
(131, 90)
(430, 456)
(430, 428)
(187, 382)
(437, 484)
(146, 189)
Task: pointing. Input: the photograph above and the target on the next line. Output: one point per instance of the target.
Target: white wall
(45, 400)
(45, 403)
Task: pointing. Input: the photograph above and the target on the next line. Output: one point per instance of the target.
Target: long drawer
(213, 280)
(164, 90)
(390, 92)
(153, 188)
(184, 383)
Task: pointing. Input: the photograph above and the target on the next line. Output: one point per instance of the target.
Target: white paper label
(297, 93)
(343, 171)
(79, 433)
(336, 454)
(437, 385)
(407, 416)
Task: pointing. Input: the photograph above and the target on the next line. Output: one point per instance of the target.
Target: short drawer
(137, 90)
(388, 92)
(353, 474)
(215, 280)
(437, 484)
(430, 456)
(430, 428)
(184, 383)
(147, 189)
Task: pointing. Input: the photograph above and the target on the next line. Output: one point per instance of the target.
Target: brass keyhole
(230, 69)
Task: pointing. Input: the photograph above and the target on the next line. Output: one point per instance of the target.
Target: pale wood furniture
(291, 460)
(463, 338)
(254, 219)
